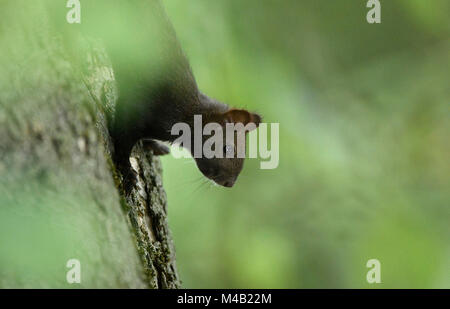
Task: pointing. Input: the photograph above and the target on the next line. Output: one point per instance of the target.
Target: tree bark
(59, 196)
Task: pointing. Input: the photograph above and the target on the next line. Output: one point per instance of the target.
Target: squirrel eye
(227, 149)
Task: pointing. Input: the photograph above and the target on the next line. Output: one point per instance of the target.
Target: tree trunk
(59, 196)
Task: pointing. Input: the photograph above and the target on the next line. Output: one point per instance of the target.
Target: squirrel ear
(242, 116)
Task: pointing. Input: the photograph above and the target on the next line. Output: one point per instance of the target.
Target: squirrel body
(156, 86)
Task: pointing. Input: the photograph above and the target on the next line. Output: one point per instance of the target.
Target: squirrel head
(224, 170)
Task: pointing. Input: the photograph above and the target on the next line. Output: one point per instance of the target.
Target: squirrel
(154, 124)
(156, 87)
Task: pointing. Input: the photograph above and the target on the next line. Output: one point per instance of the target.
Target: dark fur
(155, 96)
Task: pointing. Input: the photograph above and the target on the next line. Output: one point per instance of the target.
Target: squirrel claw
(129, 181)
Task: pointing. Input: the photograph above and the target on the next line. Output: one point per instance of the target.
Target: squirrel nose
(229, 184)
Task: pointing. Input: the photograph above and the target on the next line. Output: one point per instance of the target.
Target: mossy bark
(59, 196)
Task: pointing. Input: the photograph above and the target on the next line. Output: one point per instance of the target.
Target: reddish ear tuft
(242, 116)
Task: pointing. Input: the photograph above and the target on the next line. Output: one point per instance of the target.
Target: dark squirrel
(157, 89)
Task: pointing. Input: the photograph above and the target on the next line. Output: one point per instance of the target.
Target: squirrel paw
(157, 148)
(129, 175)
(129, 180)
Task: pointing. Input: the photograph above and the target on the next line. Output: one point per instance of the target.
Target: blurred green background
(364, 145)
